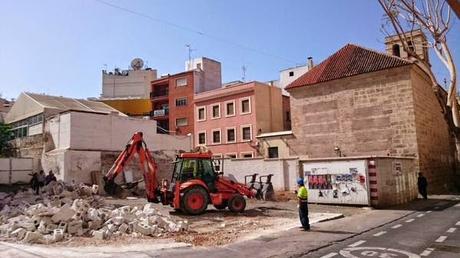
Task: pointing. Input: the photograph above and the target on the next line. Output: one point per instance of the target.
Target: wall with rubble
(285, 171)
(15, 170)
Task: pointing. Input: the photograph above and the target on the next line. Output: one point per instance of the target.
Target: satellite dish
(137, 63)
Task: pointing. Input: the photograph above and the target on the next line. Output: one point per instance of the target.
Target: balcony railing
(160, 112)
(159, 93)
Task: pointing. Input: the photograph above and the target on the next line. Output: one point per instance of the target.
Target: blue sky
(60, 47)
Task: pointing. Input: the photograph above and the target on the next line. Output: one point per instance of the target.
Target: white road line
(420, 215)
(380, 233)
(329, 255)
(428, 211)
(457, 205)
(409, 220)
(427, 252)
(397, 226)
(441, 239)
(360, 242)
(457, 224)
(451, 230)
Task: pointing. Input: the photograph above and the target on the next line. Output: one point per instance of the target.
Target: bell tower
(416, 41)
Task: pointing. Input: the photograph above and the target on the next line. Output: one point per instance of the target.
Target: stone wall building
(360, 102)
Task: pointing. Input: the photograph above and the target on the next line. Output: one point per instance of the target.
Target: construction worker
(302, 195)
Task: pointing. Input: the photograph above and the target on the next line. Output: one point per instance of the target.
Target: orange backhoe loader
(193, 186)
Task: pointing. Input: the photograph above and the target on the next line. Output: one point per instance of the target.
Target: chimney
(310, 62)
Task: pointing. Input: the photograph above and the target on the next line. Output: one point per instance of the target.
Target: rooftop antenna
(243, 71)
(190, 50)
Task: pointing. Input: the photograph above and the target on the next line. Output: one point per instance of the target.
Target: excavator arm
(147, 165)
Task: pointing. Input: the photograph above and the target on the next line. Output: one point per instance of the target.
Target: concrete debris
(66, 210)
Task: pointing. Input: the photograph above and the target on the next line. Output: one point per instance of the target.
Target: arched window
(396, 50)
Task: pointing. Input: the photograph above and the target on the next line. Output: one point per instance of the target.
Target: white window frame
(246, 152)
(181, 125)
(242, 134)
(212, 111)
(226, 134)
(234, 108)
(241, 106)
(182, 85)
(212, 136)
(198, 113)
(218, 156)
(198, 138)
(231, 153)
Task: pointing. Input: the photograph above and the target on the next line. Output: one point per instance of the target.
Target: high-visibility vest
(302, 193)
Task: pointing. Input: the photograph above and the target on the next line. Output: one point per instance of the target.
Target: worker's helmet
(300, 181)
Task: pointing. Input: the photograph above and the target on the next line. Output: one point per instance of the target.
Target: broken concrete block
(117, 220)
(95, 224)
(75, 228)
(93, 214)
(98, 234)
(142, 228)
(19, 233)
(51, 227)
(32, 237)
(58, 235)
(123, 228)
(63, 226)
(42, 227)
(112, 228)
(65, 213)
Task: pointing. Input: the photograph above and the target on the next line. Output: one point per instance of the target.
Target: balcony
(161, 93)
(159, 113)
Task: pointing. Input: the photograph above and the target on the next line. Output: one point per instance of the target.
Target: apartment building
(229, 119)
(172, 96)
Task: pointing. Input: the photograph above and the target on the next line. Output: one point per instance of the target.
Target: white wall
(135, 84)
(15, 170)
(88, 131)
(285, 170)
(285, 79)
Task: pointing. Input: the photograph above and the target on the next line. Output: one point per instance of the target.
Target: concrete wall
(276, 141)
(268, 108)
(135, 84)
(285, 171)
(15, 170)
(87, 131)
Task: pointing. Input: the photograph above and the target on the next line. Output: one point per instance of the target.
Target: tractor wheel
(221, 206)
(237, 203)
(195, 200)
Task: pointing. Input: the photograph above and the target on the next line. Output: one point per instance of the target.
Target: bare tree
(433, 17)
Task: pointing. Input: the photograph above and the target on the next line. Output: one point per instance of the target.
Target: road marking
(375, 252)
(457, 205)
(410, 220)
(451, 230)
(360, 242)
(427, 252)
(380, 233)
(428, 211)
(457, 224)
(420, 215)
(441, 239)
(397, 226)
(329, 255)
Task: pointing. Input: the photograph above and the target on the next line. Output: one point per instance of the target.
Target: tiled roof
(348, 61)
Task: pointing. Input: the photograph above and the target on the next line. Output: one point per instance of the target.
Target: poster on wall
(342, 182)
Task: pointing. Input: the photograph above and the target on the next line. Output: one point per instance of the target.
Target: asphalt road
(434, 232)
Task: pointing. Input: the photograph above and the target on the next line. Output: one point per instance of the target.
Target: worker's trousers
(303, 215)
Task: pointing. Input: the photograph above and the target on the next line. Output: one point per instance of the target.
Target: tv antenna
(190, 50)
(243, 71)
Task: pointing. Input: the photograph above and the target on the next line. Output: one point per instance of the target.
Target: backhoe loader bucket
(112, 188)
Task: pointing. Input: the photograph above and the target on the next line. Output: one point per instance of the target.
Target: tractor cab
(190, 166)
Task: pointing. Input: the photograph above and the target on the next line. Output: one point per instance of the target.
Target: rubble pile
(62, 211)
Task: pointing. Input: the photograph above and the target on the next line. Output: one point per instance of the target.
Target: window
(411, 45)
(202, 138)
(217, 159)
(291, 73)
(288, 116)
(396, 51)
(246, 155)
(231, 135)
(180, 102)
(216, 136)
(273, 152)
(201, 113)
(231, 155)
(246, 133)
(215, 111)
(181, 82)
(181, 122)
(245, 106)
(230, 108)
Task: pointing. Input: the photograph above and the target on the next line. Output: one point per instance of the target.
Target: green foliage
(5, 136)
